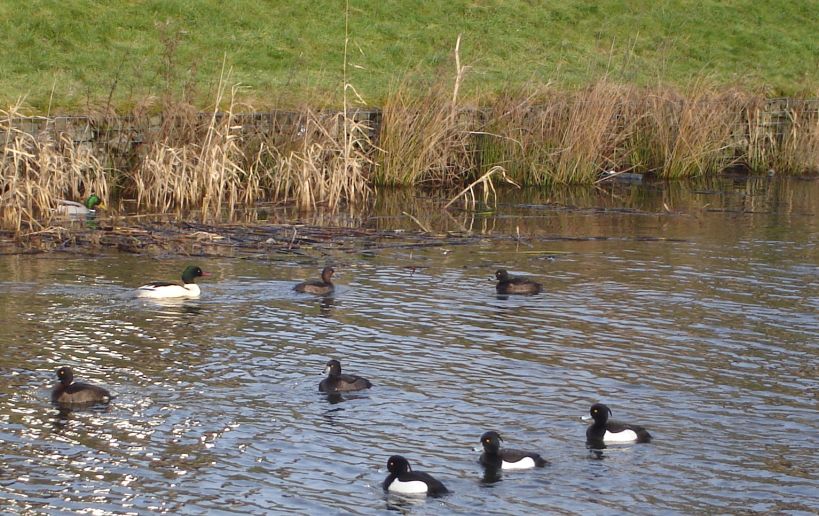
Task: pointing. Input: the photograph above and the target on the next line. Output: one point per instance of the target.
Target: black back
(399, 468)
(69, 392)
(337, 382)
(596, 431)
(493, 455)
(513, 285)
(162, 284)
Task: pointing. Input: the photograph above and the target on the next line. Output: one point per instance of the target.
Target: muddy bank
(185, 238)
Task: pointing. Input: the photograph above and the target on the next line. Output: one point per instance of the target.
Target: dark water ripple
(710, 343)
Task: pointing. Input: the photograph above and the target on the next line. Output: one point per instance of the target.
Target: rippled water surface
(689, 309)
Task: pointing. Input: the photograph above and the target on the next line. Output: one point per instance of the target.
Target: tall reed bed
(546, 136)
(784, 141)
(214, 165)
(37, 170)
(190, 166)
(322, 160)
(426, 138)
(217, 162)
(676, 136)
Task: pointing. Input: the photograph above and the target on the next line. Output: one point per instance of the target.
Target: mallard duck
(89, 207)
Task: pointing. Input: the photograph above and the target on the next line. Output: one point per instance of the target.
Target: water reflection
(491, 475)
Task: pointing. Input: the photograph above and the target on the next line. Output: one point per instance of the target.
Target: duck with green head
(88, 207)
(170, 289)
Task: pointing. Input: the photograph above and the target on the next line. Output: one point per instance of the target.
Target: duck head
(397, 465)
(600, 413)
(65, 375)
(491, 441)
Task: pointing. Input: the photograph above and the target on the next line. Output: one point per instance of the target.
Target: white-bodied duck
(169, 289)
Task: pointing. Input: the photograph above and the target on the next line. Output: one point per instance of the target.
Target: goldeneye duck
(495, 457)
(65, 207)
(320, 287)
(403, 480)
(69, 392)
(515, 285)
(605, 430)
(168, 289)
(337, 382)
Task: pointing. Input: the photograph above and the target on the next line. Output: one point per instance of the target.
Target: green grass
(69, 56)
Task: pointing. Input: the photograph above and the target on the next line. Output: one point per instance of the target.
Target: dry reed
(323, 162)
(425, 139)
(38, 170)
(543, 136)
(678, 136)
(215, 164)
(485, 185)
(783, 140)
(190, 167)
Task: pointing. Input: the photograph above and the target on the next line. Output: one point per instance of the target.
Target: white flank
(620, 437)
(71, 208)
(524, 463)
(168, 291)
(411, 487)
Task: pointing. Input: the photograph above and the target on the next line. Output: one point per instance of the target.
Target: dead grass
(426, 139)
(784, 141)
(677, 136)
(324, 162)
(214, 164)
(37, 170)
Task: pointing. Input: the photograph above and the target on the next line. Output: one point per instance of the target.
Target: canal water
(691, 309)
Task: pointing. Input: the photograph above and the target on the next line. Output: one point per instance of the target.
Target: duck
(168, 289)
(605, 430)
(403, 480)
(495, 457)
(337, 382)
(515, 285)
(69, 392)
(89, 207)
(320, 287)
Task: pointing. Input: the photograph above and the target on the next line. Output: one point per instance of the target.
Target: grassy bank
(84, 55)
